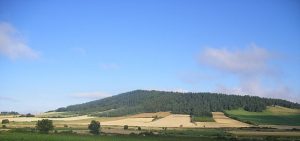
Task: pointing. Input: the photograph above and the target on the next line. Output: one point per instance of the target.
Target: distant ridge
(203, 103)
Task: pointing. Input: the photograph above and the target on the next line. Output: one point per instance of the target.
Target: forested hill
(139, 101)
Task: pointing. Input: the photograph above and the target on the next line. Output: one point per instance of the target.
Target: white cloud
(90, 95)
(252, 59)
(251, 66)
(13, 45)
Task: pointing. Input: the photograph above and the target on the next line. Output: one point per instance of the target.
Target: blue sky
(56, 53)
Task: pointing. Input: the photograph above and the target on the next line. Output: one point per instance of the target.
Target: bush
(66, 126)
(5, 121)
(94, 127)
(125, 127)
(3, 126)
(139, 128)
(44, 125)
(27, 115)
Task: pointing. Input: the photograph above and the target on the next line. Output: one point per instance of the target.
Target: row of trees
(9, 113)
(198, 104)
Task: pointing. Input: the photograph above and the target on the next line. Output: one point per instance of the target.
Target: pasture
(271, 116)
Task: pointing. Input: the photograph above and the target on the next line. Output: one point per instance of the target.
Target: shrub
(139, 128)
(3, 126)
(66, 126)
(125, 127)
(44, 125)
(5, 121)
(94, 127)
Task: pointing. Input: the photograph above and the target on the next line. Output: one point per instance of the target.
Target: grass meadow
(271, 116)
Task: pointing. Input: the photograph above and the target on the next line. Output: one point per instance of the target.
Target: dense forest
(198, 104)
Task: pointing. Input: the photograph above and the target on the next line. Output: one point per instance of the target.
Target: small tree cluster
(94, 127)
(5, 121)
(44, 125)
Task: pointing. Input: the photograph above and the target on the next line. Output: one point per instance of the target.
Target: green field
(202, 119)
(271, 116)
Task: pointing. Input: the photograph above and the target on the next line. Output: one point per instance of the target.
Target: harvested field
(223, 120)
(173, 120)
(178, 120)
(151, 115)
(129, 122)
(29, 119)
(143, 120)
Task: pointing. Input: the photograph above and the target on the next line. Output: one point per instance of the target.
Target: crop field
(151, 120)
(271, 116)
(29, 119)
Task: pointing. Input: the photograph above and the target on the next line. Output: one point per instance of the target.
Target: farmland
(271, 116)
(276, 122)
(146, 120)
(162, 126)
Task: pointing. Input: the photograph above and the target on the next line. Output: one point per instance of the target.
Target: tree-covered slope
(139, 101)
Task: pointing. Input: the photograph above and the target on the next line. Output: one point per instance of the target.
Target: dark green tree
(94, 127)
(5, 121)
(44, 125)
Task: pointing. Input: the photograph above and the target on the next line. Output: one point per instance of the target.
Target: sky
(55, 53)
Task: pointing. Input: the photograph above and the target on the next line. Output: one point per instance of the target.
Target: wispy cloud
(250, 60)
(90, 95)
(251, 65)
(13, 45)
(181, 90)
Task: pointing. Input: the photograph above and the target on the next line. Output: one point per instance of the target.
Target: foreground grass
(7, 136)
(271, 116)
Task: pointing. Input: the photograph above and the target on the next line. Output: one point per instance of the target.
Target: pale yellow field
(29, 119)
(151, 115)
(179, 120)
(142, 120)
(223, 120)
